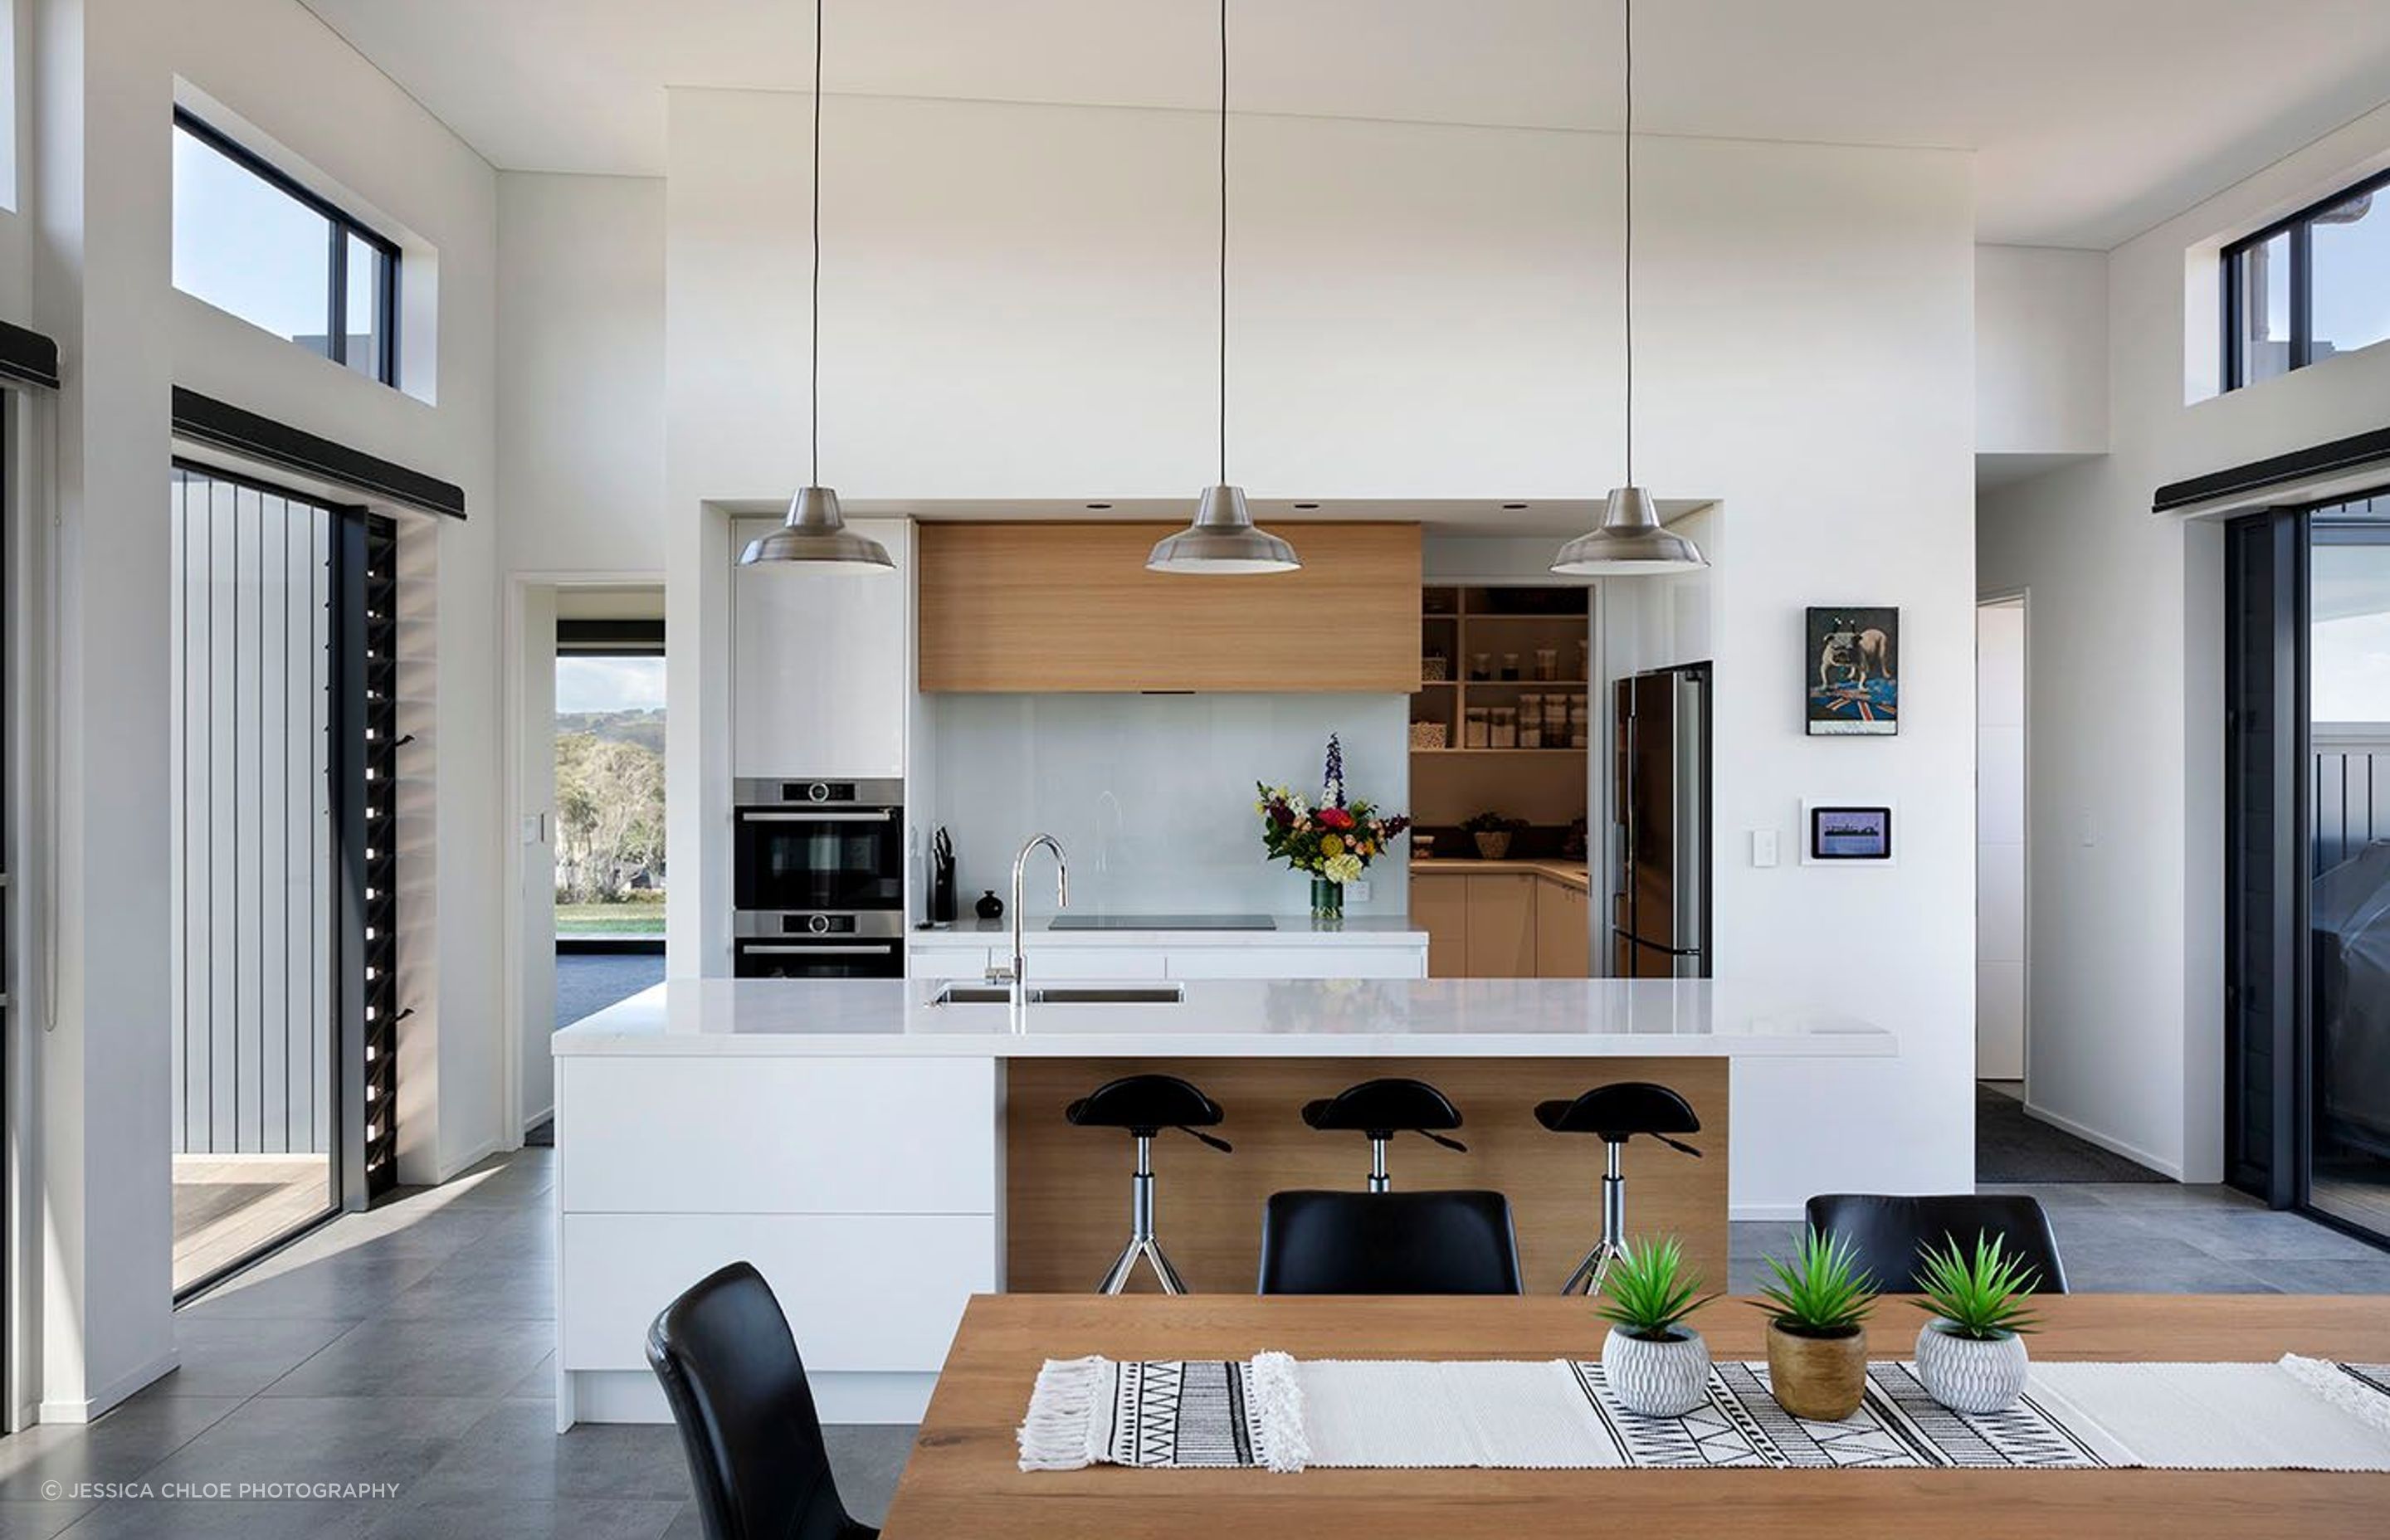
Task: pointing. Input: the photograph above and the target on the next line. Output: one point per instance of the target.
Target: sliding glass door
(2348, 863)
(256, 1051)
(2308, 860)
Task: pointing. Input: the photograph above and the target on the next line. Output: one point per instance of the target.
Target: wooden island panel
(1067, 1188)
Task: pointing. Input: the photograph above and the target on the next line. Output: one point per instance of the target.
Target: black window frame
(343, 225)
(2300, 227)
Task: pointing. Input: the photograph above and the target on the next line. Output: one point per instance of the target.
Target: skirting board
(480, 1152)
(633, 1395)
(2113, 1146)
(115, 1391)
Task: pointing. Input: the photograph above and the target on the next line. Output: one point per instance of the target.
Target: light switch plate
(1763, 847)
(1357, 890)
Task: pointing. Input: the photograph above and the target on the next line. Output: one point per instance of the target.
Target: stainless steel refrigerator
(1660, 800)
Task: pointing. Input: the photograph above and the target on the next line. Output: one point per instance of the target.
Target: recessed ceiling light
(1307, 505)
(1513, 507)
(1100, 506)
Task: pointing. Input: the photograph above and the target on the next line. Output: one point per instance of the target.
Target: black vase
(989, 905)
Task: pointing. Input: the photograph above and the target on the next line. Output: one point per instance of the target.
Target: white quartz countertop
(1292, 930)
(1231, 1019)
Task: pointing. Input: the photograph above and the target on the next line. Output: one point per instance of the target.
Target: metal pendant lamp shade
(1223, 540)
(1629, 544)
(813, 536)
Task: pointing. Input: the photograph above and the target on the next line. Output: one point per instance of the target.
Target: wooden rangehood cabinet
(1050, 607)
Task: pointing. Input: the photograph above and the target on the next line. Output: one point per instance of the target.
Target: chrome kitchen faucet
(1017, 977)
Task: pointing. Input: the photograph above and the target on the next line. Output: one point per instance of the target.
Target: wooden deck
(226, 1206)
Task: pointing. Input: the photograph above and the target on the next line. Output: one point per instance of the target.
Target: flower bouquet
(1334, 842)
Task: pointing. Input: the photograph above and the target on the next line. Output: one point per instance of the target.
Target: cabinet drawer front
(947, 962)
(1064, 963)
(861, 1293)
(1300, 962)
(736, 1135)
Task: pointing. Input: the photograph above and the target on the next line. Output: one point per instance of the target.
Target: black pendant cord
(1224, 242)
(1628, 9)
(814, 400)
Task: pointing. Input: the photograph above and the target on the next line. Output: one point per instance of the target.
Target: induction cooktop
(1162, 922)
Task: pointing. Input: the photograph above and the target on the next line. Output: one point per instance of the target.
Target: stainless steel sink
(1063, 994)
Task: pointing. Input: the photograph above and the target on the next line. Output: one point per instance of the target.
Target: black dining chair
(1887, 1231)
(1459, 1242)
(737, 1391)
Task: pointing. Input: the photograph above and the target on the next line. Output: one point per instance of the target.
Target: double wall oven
(819, 869)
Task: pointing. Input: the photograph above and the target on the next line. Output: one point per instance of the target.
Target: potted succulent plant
(1970, 1355)
(1652, 1361)
(1492, 832)
(1816, 1328)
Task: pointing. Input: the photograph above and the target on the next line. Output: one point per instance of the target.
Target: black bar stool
(1145, 1105)
(1383, 1109)
(1615, 1113)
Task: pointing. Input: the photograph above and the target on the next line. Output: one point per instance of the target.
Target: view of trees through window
(609, 795)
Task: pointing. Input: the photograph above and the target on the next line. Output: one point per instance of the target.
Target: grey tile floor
(410, 1346)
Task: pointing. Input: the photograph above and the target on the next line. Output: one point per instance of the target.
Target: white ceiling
(2093, 120)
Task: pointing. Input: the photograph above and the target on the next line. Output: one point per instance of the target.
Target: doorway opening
(598, 769)
(2014, 1140)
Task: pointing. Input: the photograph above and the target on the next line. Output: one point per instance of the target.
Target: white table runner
(1556, 1414)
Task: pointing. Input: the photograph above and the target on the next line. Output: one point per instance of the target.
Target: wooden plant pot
(1819, 1379)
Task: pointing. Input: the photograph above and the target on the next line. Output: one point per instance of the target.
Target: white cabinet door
(861, 1293)
(820, 663)
(671, 1135)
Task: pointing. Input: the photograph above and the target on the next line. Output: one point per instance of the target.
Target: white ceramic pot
(1664, 1378)
(1967, 1374)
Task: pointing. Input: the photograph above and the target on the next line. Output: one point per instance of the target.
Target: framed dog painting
(1854, 672)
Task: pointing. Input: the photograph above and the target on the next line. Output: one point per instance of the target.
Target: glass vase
(1326, 899)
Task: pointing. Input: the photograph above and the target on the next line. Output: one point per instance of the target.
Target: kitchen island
(883, 1156)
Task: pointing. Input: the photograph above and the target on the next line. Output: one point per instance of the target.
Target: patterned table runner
(1272, 1411)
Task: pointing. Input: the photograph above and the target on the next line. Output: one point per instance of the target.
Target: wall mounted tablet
(1846, 834)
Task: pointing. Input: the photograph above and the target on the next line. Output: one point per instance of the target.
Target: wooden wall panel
(1440, 907)
(1067, 1188)
(1050, 607)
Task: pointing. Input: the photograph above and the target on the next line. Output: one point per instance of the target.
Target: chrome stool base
(1588, 1278)
(1141, 1241)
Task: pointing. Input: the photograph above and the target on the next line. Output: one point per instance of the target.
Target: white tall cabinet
(821, 662)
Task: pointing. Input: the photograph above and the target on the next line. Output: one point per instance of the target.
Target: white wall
(2042, 350)
(580, 428)
(100, 201)
(1017, 303)
(2126, 705)
(580, 373)
(1152, 795)
(1999, 840)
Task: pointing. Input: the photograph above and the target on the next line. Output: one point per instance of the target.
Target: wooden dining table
(964, 1481)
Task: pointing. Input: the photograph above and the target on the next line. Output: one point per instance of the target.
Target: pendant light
(1630, 542)
(815, 535)
(1223, 540)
